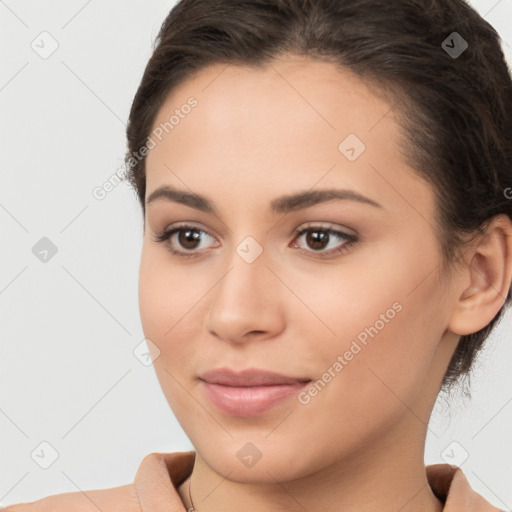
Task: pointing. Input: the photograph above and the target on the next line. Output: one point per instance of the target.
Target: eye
(188, 238)
(319, 237)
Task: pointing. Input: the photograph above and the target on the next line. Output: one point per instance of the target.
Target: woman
(325, 189)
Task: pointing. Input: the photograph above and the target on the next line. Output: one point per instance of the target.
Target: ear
(489, 274)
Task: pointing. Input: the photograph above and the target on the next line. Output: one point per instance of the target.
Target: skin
(358, 445)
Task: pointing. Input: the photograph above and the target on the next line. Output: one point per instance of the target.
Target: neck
(388, 475)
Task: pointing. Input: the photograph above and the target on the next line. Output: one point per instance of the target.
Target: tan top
(154, 489)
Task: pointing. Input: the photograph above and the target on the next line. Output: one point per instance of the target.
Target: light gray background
(69, 326)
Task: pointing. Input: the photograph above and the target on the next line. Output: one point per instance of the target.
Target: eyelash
(166, 234)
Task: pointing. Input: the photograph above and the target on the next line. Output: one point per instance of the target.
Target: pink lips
(249, 392)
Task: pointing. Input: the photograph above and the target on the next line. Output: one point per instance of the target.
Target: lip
(248, 377)
(249, 392)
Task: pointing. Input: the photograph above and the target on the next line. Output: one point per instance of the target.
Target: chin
(257, 461)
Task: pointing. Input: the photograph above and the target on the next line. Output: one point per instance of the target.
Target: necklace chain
(193, 509)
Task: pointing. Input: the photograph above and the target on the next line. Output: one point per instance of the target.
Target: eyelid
(166, 233)
(327, 226)
(343, 233)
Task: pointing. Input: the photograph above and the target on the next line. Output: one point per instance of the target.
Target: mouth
(250, 392)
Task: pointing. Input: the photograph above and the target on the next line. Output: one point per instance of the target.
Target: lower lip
(249, 401)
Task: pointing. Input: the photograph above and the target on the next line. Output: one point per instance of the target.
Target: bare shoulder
(115, 499)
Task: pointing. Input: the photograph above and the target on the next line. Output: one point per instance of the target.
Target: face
(342, 292)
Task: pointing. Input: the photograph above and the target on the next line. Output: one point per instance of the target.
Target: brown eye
(189, 238)
(318, 238)
(187, 243)
(182, 240)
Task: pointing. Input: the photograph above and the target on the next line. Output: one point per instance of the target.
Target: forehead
(279, 126)
(304, 98)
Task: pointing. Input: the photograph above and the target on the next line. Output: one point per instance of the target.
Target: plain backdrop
(72, 390)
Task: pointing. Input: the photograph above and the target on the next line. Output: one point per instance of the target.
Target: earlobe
(490, 273)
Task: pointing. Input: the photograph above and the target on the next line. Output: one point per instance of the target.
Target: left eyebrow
(283, 204)
(308, 198)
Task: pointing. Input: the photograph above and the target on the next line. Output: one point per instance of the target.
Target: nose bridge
(241, 301)
(247, 266)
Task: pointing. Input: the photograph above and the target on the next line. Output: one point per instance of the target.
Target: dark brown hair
(455, 110)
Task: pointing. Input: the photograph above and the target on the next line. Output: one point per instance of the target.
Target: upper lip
(248, 377)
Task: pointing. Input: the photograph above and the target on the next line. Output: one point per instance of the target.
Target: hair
(455, 111)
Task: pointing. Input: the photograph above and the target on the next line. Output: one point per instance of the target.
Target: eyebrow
(283, 204)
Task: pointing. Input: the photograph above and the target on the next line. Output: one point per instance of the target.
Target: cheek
(170, 308)
(157, 300)
(153, 294)
(383, 319)
(163, 312)
(384, 363)
(165, 290)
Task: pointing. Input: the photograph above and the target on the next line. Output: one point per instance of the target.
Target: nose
(246, 301)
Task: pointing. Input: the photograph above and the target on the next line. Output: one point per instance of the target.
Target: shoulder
(153, 488)
(116, 499)
(450, 484)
